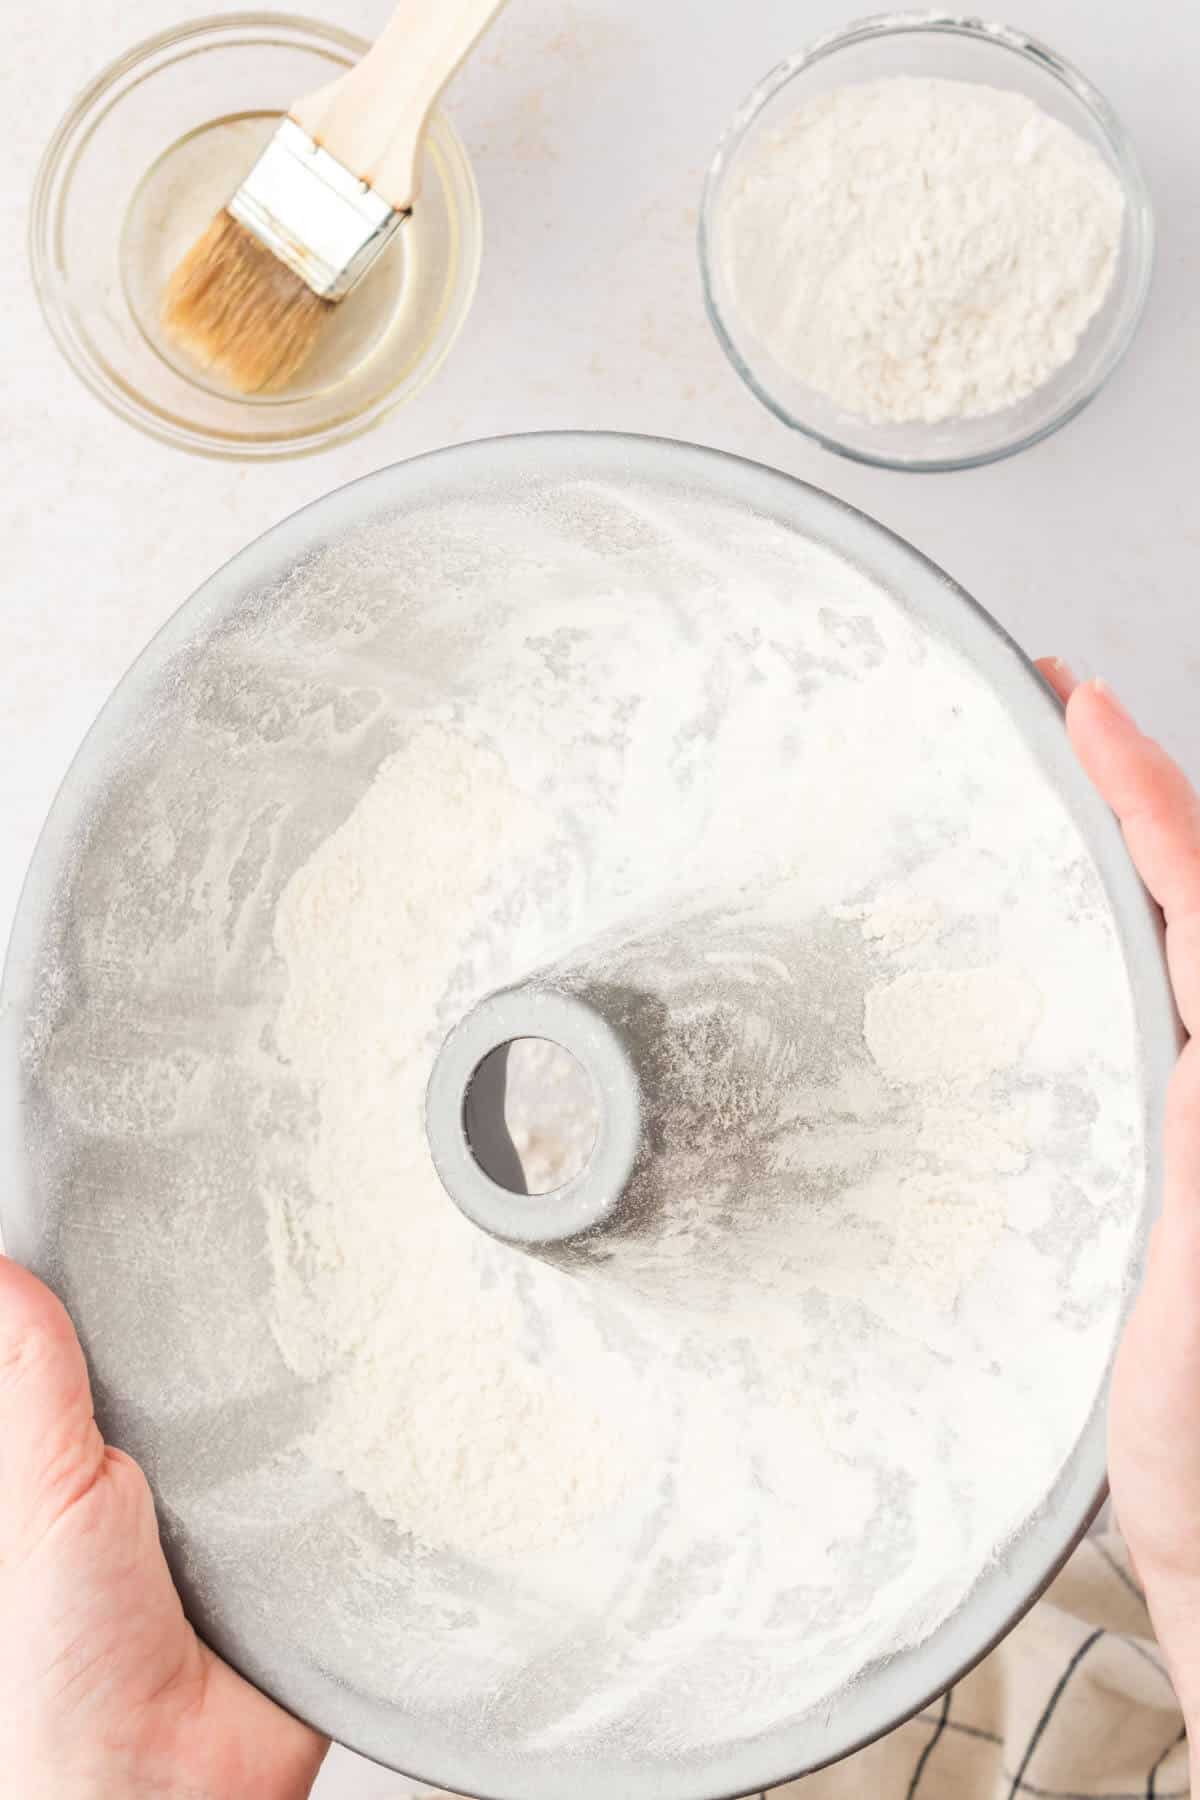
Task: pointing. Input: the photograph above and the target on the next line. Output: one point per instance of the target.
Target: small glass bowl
(146, 156)
(957, 49)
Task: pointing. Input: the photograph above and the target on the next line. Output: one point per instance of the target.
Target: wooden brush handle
(373, 117)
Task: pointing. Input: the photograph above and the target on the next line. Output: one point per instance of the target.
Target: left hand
(106, 1693)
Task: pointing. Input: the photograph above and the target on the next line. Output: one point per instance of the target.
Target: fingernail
(1065, 671)
(1110, 700)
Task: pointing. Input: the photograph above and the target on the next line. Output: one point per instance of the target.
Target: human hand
(105, 1691)
(1154, 1430)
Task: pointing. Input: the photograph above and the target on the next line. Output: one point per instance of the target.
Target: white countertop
(591, 123)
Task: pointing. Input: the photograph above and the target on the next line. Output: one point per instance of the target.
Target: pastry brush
(327, 195)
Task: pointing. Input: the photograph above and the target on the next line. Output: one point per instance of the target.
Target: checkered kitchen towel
(1074, 1705)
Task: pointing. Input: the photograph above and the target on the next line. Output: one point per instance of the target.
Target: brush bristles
(235, 307)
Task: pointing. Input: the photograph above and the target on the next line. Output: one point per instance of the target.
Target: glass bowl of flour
(925, 241)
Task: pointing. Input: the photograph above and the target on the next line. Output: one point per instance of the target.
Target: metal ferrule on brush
(313, 214)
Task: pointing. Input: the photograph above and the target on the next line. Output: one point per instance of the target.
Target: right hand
(1154, 1429)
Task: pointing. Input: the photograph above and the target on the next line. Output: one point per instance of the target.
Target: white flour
(951, 1026)
(442, 1427)
(921, 249)
(638, 1511)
